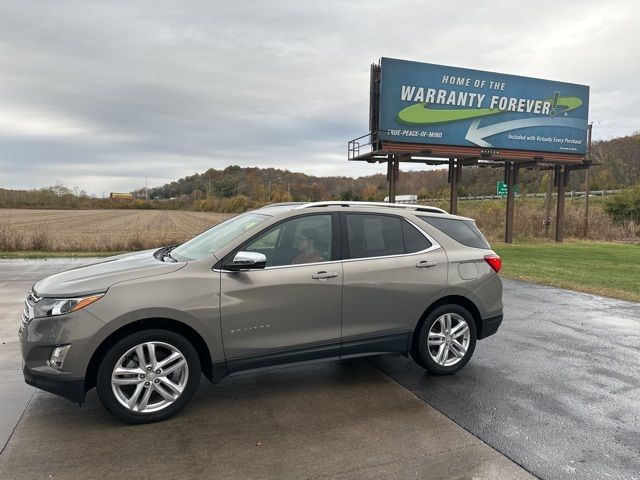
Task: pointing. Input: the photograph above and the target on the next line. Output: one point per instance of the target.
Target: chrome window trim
(434, 246)
(397, 255)
(279, 267)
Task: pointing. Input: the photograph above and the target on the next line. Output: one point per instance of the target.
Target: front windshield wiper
(168, 255)
(164, 253)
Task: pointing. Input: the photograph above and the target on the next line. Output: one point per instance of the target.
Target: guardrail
(571, 194)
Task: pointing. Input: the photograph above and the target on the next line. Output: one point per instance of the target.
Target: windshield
(205, 244)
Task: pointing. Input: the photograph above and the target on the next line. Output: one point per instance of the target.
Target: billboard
(435, 104)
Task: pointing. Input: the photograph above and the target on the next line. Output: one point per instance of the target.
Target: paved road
(337, 420)
(557, 389)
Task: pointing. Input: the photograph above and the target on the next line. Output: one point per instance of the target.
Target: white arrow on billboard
(477, 134)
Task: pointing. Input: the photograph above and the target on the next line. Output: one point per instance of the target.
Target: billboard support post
(547, 204)
(586, 184)
(453, 180)
(392, 177)
(586, 204)
(561, 175)
(509, 168)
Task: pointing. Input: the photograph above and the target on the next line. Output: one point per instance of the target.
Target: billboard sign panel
(436, 104)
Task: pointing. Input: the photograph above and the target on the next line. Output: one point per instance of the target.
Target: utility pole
(270, 181)
(146, 188)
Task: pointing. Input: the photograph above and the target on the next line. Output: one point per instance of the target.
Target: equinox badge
(255, 328)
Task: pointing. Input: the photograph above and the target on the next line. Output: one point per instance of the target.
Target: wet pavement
(340, 420)
(557, 389)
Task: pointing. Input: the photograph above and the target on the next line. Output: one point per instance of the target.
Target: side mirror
(246, 261)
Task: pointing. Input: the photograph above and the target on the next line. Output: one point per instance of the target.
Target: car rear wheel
(446, 340)
(148, 376)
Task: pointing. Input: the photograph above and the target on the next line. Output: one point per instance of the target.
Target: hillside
(619, 167)
(235, 188)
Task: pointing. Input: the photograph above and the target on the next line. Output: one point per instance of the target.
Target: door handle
(324, 275)
(425, 264)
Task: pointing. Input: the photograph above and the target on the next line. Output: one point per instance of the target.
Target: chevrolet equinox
(285, 284)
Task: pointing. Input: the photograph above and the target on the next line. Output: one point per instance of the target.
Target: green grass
(609, 269)
(34, 254)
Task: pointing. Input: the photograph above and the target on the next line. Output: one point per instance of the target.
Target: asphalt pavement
(557, 389)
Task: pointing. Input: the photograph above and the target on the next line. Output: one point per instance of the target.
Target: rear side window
(374, 235)
(414, 241)
(462, 231)
(382, 235)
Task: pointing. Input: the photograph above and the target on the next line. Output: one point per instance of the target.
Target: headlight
(48, 307)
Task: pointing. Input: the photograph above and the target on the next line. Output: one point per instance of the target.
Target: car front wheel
(447, 340)
(148, 376)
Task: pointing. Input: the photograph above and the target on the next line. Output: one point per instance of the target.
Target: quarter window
(462, 231)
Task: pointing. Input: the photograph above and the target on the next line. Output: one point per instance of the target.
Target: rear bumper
(71, 388)
(489, 326)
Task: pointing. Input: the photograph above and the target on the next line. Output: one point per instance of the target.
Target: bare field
(99, 230)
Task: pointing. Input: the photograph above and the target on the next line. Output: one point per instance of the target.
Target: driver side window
(297, 241)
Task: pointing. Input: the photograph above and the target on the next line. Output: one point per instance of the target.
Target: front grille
(28, 312)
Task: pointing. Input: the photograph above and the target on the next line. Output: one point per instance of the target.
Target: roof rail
(283, 204)
(407, 206)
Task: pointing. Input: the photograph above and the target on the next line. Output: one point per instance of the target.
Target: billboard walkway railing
(572, 194)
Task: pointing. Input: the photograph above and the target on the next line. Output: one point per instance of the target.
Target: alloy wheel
(448, 339)
(149, 377)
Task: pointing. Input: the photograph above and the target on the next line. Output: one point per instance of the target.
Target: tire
(166, 392)
(431, 351)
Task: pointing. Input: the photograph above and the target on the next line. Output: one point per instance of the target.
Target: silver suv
(288, 283)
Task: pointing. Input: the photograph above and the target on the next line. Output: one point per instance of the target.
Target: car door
(392, 271)
(290, 311)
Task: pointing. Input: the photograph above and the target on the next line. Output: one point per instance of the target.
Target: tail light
(494, 262)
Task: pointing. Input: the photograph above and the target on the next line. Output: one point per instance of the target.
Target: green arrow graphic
(420, 114)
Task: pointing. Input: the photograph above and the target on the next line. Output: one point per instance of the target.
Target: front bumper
(71, 388)
(41, 335)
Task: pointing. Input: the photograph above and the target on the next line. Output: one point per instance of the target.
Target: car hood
(99, 276)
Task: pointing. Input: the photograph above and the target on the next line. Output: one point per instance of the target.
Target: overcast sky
(100, 95)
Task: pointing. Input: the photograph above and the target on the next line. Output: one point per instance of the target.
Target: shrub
(625, 206)
(40, 240)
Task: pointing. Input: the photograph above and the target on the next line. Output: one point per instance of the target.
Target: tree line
(235, 188)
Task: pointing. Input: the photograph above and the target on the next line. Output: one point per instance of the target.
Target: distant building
(124, 196)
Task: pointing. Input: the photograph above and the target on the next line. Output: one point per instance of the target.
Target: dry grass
(529, 217)
(117, 230)
(99, 230)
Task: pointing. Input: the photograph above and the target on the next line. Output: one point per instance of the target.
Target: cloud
(104, 94)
